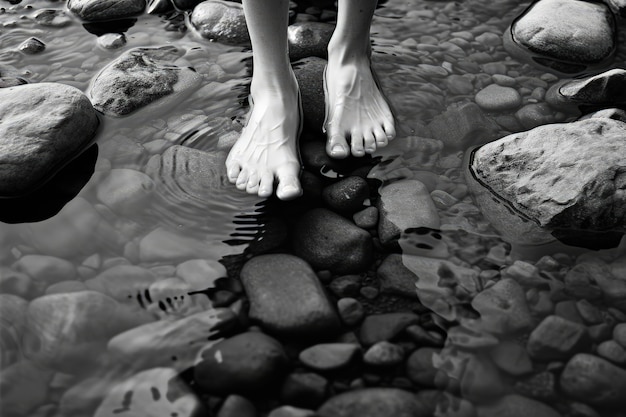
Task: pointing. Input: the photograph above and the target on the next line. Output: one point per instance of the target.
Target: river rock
(237, 406)
(462, 126)
(140, 77)
(122, 282)
(346, 195)
(577, 189)
(380, 327)
(309, 39)
(46, 269)
(374, 402)
(125, 191)
(25, 386)
(514, 405)
(309, 73)
(497, 98)
(68, 332)
(247, 363)
(329, 356)
(149, 393)
(395, 278)
(12, 322)
(200, 274)
(42, 126)
(583, 35)
(383, 354)
(403, 205)
(595, 381)
(603, 90)
(304, 389)
(94, 10)
(32, 46)
(286, 297)
(52, 18)
(420, 367)
(221, 21)
(556, 338)
(171, 343)
(503, 308)
(329, 241)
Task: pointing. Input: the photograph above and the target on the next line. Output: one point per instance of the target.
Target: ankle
(284, 86)
(344, 52)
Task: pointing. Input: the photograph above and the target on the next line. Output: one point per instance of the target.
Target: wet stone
(52, 18)
(594, 381)
(366, 218)
(395, 278)
(46, 269)
(383, 354)
(11, 82)
(350, 310)
(289, 411)
(246, 363)
(237, 406)
(346, 285)
(222, 21)
(346, 195)
(309, 73)
(42, 127)
(374, 402)
(329, 356)
(32, 46)
(286, 297)
(12, 311)
(512, 358)
(462, 126)
(420, 366)
(503, 308)
(140, 77)
(384, 327)
(112, 40)
(329, 241)
(306, 390)
(556, 338)
(604, 89)
(612, 351)
(498, 98)
(309, 39)
(514, 405)
(94, 10)
(619, 334)
(125, 190)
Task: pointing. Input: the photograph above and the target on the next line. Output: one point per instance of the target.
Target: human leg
(358, 118)
(267, 148)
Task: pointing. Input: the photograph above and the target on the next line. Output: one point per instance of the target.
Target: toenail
(337, 149)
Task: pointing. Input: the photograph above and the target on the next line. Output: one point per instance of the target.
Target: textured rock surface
(309, 73)
(374, 402)
(309, 39)
(604, 89)
(594, 381)
(222, 21)
(93, 10)
(42, 126)
(286, 296)
(582, 188)
(583, 33)
(140, 77)
(516, 406)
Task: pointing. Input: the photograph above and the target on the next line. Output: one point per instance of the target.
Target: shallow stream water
(429, 55)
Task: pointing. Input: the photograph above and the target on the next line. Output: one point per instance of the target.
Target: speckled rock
(42, 126)
(584, 34)
(140, 77)
(329, 241)
(566, 191)
(93, 10)
(346, 195)
(594, 380)
(246, 363)
(516, 406)
(404, 205)
(222, 21)
(309, 39)
(286, 297)
(374, 402)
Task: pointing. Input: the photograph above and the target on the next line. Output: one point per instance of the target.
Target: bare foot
(358, 119)
(266, 151)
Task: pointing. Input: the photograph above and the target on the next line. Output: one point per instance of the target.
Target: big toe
(288, 184)
(337, 146)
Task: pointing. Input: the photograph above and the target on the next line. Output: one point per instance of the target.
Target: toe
(266, 185)
(369, 142)
(337, 146)
(288, 183)
(242, 180)
(381, 137)
(356, 143)
(252, 187)
(232, 171)
(390, 129)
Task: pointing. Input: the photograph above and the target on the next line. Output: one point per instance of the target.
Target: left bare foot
(358, 118)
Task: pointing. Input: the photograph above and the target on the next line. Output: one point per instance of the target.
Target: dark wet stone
(309, 73)
(380, 327)
(588, 38)
(138, 78)
(350, 310)
(617, 6)
(594, 380)
(395, 278)
(462, 126)
(329, 241)
(13, 313)
(329, 356)
(556, 338)
(420, 367)
(374, 402)
(403, 205)
(92, 10)
(287, 298)
(186, 4)
(289, 411)
(306, 390)
(237, 406)
(346, 195)
(52, 18)
(602, 90)
(42, 127)
(249, 362)
(578, 189)
(309, 39)
(366, 218)
(383, 354)
(514, 405)
(346, 285)
(221, 21)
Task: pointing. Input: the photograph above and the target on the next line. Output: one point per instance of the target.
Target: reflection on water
(147, 226)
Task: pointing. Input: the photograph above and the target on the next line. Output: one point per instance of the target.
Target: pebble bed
(147, 296)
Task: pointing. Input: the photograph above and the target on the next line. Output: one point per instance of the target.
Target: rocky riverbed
(472, 268)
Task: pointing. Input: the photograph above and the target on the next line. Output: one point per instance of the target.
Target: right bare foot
(267, 151)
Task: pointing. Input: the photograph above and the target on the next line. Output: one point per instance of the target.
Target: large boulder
(560, 176)
(42, 127)
(286, 296)
(93, 10)
(606, 89)
(221, 21)
(139, 77)
(583, 35)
